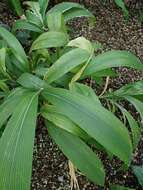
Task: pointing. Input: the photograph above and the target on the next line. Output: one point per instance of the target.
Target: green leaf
(138, 171)
(75, 12)
(41, 71)
(35, 8)
(55, 22)
(113, 58)
(137, 104)
(133, 89)
(17, 6)
(25, 25)
(86, 91)
(49, 40)
(65, 6)
(105, 73)
(118, 187)
(3, 44)
(135, 130)
(50, 113)
(71, 10)
(30, 81)
(16, 48)
(9, 104)
(17, 144)
(3, 86)
(66, 63)
(43, 6)
(98, 122)
(79, 153)
(33, 19)
(82, 43)
(2, 60)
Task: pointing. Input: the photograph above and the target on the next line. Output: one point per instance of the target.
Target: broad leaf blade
(33, 19)
(55, 22)
(98, 122)
(138, 171)
(77, 12)
(79, 153)
(50, 113)
(82, 43)
(49, 40)
(16, 48)
(65, 6)
(111, 59)
(17, 6)
(86, 91)
(69, 10)
(30, 81)
(9, 104)
(66, 63)
(25, 25)
(43, 6)
(17, 145)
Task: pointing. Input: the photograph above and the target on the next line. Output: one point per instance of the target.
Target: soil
(50, 166)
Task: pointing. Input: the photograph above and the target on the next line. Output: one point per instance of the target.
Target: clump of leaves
(37, 19)
(46, 82)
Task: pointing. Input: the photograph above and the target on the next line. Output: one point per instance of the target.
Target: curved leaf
(82, 43)
(50, 113)
(66, 63)
(30, 81)
(135, 129)
(55, 22)
(98, 122)
(17, 145)
(138, 171)
(79, 153)
(9, 104)
(33, 19)
(49, 40)
(75, 12)
(71, 10)
(17, 6)
(43, 6)
(137, 104)
(25, 25)
(133, 89)
(113, 58)
(16, 47)
(86, 91)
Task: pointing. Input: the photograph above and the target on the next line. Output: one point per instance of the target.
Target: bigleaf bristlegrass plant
(38, 19)
(46, 82)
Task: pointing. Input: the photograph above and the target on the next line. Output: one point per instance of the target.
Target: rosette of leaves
(46, 83)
